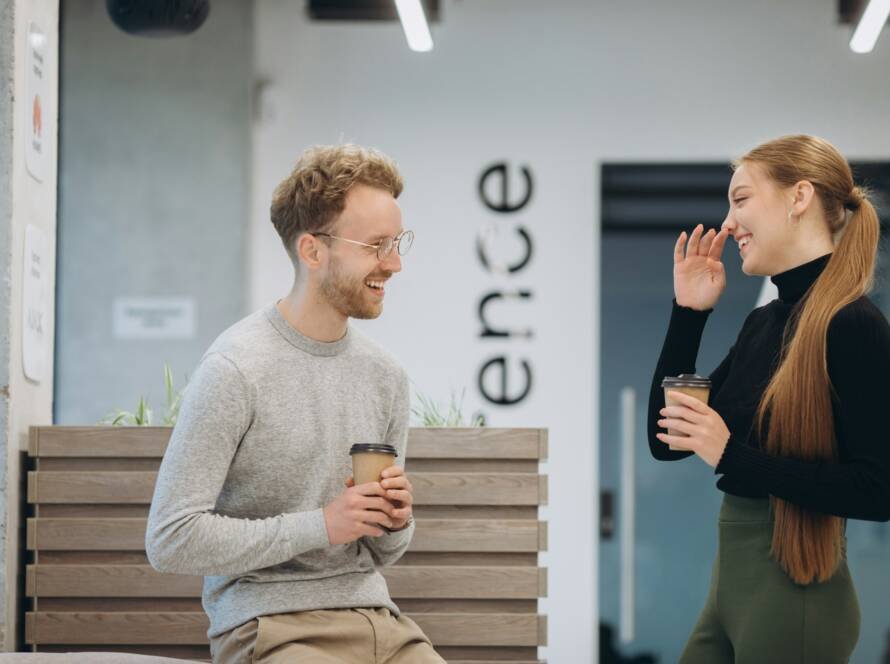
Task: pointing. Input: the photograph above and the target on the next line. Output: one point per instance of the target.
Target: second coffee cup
(370, 460)
(694, 385)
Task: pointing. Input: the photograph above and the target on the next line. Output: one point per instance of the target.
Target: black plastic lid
(379, 448)
(686, 380)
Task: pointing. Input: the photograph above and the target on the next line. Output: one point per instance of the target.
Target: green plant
(430, 414)
(141, 417)
(174, 397)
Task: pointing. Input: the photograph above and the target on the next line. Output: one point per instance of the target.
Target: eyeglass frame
(396, 243)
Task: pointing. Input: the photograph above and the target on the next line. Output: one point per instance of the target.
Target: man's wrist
(405, 526)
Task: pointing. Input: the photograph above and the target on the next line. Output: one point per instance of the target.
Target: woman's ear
(803, 194)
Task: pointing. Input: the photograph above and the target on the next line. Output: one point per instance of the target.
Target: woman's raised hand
(699, 276)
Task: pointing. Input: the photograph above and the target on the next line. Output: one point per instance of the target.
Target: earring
(788, 218)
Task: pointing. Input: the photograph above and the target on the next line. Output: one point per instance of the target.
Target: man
(251, 490)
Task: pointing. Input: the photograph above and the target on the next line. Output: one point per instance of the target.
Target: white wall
(559, 87)
(33, 203)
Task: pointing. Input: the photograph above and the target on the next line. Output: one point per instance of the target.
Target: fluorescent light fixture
(870, 25)
(417, 30)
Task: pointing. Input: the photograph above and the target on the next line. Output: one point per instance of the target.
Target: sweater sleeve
(388, 548)
(857, 486)
(678, 356)
(185, 534)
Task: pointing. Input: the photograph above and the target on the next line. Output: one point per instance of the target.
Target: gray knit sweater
(260, 447)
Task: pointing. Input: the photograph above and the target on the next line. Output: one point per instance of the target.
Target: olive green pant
(755, 614)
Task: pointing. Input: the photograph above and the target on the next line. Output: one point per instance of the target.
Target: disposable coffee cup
(369, 461)
(694, 385)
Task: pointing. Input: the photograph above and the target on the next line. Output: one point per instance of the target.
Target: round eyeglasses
(402, 242)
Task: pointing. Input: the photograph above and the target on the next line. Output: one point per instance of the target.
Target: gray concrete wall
(7, 76)
(27, 207)
(153, 196)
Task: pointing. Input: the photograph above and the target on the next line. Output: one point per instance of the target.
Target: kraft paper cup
(369, 461)
(695, 386)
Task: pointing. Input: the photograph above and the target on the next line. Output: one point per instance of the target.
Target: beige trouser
(340, 636)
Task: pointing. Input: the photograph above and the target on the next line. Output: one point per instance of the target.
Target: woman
(795, 424)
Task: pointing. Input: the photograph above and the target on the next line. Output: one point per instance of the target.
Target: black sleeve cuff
(684, 335)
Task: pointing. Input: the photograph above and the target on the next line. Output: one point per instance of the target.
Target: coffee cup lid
(686, 380)
(377, 448)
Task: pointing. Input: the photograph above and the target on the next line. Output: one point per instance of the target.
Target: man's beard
(347, 295)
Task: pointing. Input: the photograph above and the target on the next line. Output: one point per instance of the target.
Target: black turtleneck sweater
(857, 486)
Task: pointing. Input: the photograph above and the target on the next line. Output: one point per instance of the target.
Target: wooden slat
(149, 464)
(160, 604)
(203, 654)
(104, 441)
(107, 581)
(107, 487)
(428, 443)
(112, 511)
(189, 628)
(477, 535)
(86, 534)
(529, 512)
(477, 443)
(476, 558)
(105, 511)
(412, 464)
(439, 605)
(95, 487)
(198, 652)
(477, 489)
(171, 628)
(483, 629)
(431, 535)
(452, 654)
(510, 654)
(98, 557)
(465, 582)
(80, 464)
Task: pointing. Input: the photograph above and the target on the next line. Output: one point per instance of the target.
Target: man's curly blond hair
(311, 198)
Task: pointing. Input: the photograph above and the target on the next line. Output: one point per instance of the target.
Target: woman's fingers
(690, 402)
(677, 442)
(678, 248)
(716, 250)
(683, 413)
(706, 241)
(694, 240)
(678, 425)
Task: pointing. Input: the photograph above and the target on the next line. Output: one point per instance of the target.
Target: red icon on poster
(37, 116)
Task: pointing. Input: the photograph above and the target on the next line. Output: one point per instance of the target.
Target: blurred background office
(552, 151)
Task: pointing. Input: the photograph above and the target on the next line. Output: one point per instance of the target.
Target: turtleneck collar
(301, 341)
(793, 283)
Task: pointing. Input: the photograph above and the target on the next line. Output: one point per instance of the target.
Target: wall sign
(36, 139)
(154, 318)
(504, 379)
(35, 289)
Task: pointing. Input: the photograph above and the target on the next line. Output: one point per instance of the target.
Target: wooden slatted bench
(471, 578)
